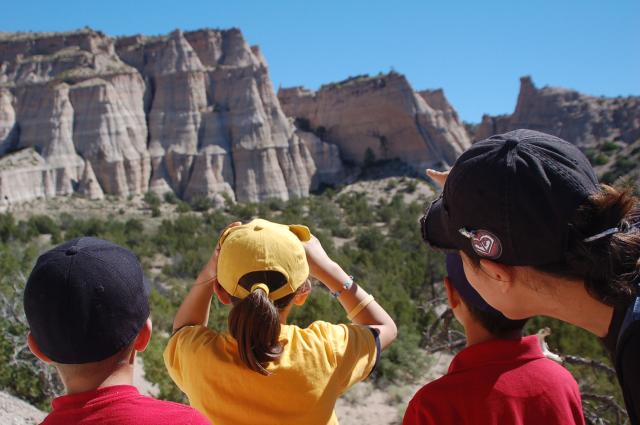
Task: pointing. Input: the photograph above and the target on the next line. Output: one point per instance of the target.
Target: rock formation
(382, 116)
(194, 113)
(575, 117)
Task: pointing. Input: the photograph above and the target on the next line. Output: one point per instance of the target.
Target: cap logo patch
(484, 243)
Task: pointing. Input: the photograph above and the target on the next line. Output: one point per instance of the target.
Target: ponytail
(609, 264)
(254, 321)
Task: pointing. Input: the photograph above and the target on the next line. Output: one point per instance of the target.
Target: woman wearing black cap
(540, 236)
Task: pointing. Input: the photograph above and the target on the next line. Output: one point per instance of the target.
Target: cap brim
(302, 232)
(435, 227)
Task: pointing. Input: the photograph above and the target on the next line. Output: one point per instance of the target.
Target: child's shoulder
(333, 333)
(322, 327)
(168, 412)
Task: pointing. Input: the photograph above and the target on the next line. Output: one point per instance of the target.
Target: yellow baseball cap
(262, 245)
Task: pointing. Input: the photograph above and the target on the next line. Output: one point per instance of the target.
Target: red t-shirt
(506, 382)
(120, 405)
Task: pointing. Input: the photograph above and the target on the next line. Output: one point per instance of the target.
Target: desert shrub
(242, 212)
(356, 208)
(609, 147)
(21, 373)
(411, 186)
(151, 199)
(600, 159)
(8, 227)
(275, 204)
(45, 225)
(170, 198)
(182, 207)
(201, 203)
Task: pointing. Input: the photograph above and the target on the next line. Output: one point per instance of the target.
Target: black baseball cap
(510, 197)
(85, 300)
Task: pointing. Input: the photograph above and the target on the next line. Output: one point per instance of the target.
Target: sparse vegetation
(380, 245)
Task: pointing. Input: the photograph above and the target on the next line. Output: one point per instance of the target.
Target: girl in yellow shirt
(264, 371)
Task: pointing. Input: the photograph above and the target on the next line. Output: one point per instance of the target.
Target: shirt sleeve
(182, 351)
(352, 349)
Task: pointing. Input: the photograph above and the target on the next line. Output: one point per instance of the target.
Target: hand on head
(212, 266)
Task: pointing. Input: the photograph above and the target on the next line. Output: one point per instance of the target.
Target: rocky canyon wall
(194, 113)
(381, 115)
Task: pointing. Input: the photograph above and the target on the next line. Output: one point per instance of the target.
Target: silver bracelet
(345, 286)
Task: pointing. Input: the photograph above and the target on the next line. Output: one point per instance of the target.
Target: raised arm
(359, 305)
(194, 309)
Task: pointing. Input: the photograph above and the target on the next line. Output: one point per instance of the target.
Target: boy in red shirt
(500, 377)
(88, 311)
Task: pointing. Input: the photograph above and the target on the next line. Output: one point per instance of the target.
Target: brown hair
(254, 321)
(609, 265)
(495, 323)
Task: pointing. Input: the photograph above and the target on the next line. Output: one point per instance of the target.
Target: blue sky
(475, 50)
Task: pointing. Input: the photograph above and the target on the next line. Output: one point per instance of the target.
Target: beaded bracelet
(345, 286)
(357, 309)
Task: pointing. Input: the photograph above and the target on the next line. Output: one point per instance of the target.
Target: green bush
(600, 159)
(183, 207)
(170, 198)
(201, 203)
(151, 199)
(609, 147)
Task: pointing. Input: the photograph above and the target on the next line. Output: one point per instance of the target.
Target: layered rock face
(575, 117)
(74, 106)
(194, 113)
(382, 115)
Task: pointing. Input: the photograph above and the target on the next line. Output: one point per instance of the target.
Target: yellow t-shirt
(317, 365)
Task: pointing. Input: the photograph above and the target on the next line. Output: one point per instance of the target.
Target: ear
(452, 295)
(223, 296)
(35, 349)
(502, 274)
(301, 297)
(144, 336)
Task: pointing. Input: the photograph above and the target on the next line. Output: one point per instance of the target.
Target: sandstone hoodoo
(581, 119)
(380, 117)
(194, 113)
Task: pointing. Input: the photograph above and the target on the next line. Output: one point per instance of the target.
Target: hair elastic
(262, 286)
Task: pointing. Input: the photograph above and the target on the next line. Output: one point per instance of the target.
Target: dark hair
(609, 266)
(254, 321)
(496, 323)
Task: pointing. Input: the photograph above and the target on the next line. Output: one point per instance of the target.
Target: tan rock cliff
(382, 114)
(191, 112)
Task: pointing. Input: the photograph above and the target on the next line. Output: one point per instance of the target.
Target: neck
(83, 380)
(570, 302)
(476, 334)
(284, 314)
